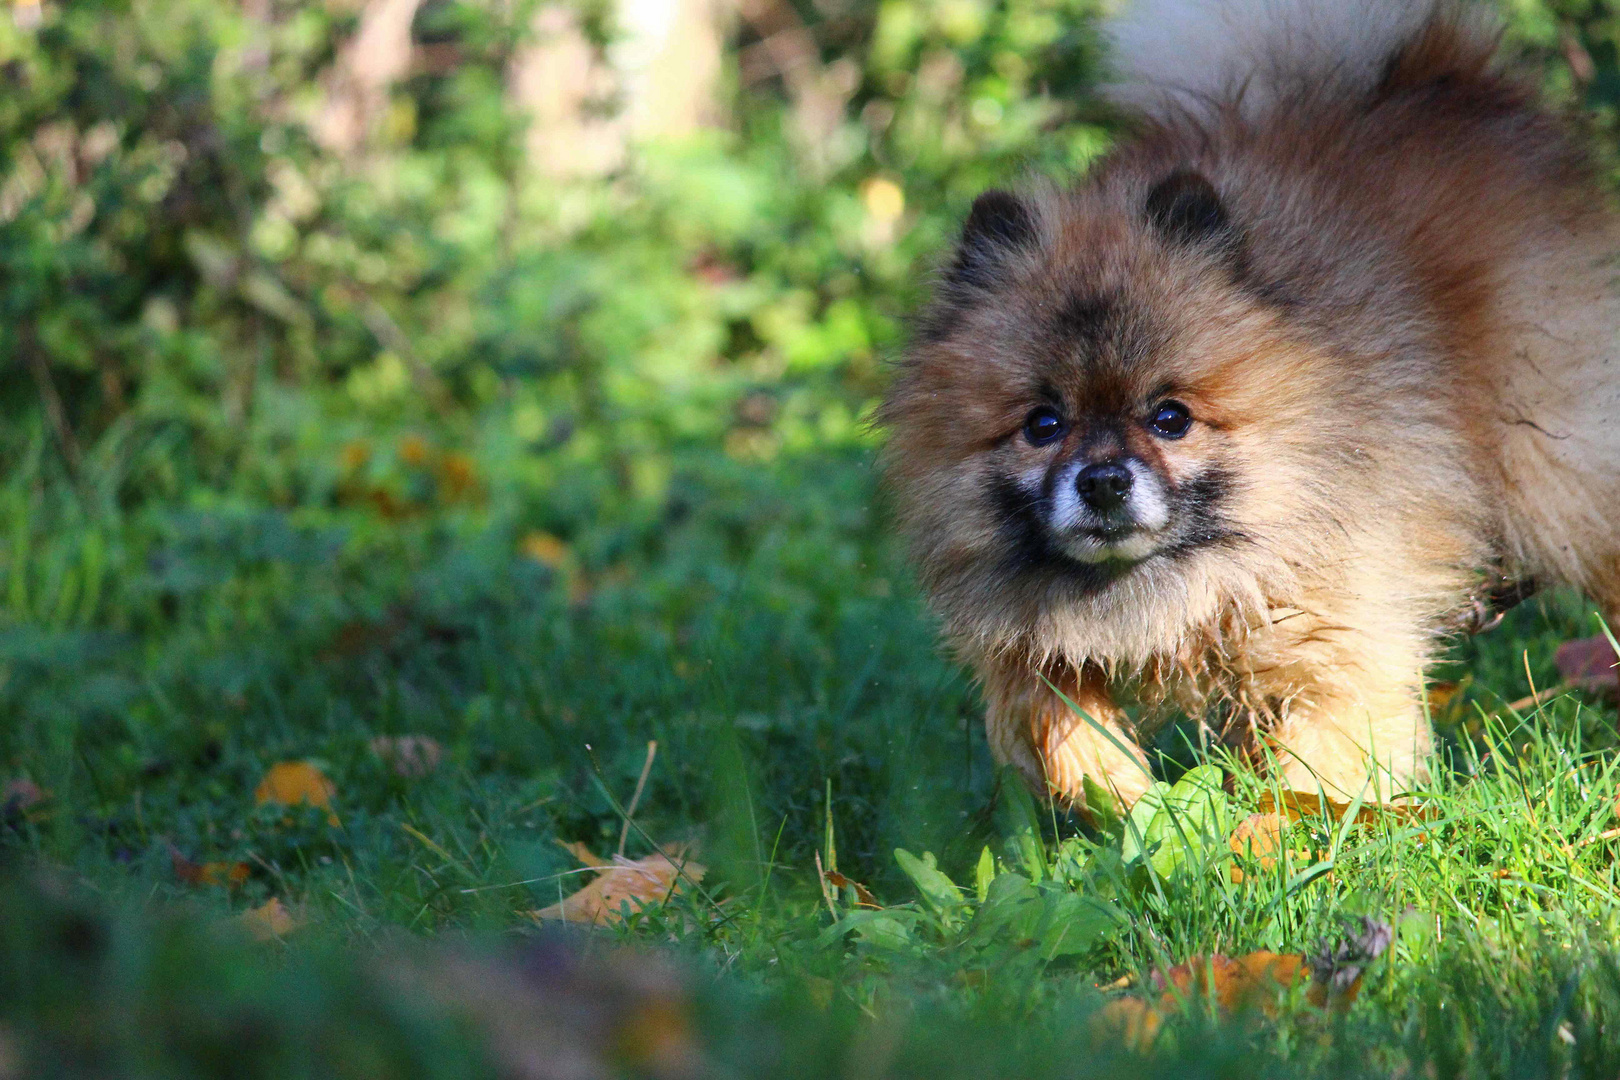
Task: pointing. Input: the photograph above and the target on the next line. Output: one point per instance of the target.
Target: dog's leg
(1054, 747)
(1374, 744)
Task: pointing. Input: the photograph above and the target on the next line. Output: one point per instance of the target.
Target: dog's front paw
(1076, 749)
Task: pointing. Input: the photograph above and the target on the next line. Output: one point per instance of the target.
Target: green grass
(154, 662)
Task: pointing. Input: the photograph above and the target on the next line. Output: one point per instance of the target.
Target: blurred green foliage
(220, 304)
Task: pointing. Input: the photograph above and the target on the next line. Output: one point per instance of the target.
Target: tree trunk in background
(658, 79)
(564, 85)
(668, 57)
(358, 85)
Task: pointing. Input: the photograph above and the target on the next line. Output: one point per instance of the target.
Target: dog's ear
(999, 226)
(1186, 209)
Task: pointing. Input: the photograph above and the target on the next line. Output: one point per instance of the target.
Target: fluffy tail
(1200, 55)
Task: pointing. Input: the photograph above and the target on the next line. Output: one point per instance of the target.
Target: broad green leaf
(1071, 924)
(984, 873)
(1102, 805)
(1011, 908)
(1024, 826)
(1135, 846)
(1174, 827)
(885, 932)
(1195, 817)
(861, 924)
(938, 891)
(1071, 859)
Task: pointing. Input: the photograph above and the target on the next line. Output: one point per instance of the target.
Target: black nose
(1104, 486)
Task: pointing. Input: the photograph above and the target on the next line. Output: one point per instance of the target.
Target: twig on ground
(646, 767)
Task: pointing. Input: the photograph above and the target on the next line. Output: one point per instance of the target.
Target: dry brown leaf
(1589, 663)
(1131, 1021)
(1302, 805)
(409, 756)
(414, 451)
(1253, 979)
(1336, 971)
(863, 895)
(22, 794)
(1256, 980)
(354, 455)
(458, 477)
(228, 874)
(1441, 695)
(585, 855)
(639, 882)
(1260, 837)
(21, 799)
(290, 783)
(546, 549)
(1259, 980)
(270, 920)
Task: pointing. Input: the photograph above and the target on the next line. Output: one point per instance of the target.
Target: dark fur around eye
(1043, 425)
(1170, 420)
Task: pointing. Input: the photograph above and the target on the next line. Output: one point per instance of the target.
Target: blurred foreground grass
(305, 447)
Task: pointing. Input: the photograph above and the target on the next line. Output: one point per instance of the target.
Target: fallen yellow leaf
(1236, 982)
(1254, 981)
(289, 783)
(638, 882)
(269, 920)
(1302, 805)
(545, 549)
(354, 455)
(458, 477)
(1260, 837)
(1129, 1020)
(228, 874)
(585, 855)
(414, 450)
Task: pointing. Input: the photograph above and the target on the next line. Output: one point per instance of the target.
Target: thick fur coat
(1245, 419)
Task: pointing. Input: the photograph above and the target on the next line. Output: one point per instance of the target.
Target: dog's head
(1102, 416)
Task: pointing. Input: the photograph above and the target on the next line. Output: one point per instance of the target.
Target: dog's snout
(1104, 486)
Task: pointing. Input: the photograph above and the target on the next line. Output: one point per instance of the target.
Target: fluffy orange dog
(1321, 353)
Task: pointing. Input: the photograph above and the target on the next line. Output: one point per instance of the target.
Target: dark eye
(1170, 420)
(1044, 425)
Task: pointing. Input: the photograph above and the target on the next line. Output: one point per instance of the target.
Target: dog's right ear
(1186, 210)
(999, 225)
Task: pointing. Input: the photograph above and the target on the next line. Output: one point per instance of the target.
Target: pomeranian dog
(1323, 352)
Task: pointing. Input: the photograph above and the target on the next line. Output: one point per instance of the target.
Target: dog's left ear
(1186, 209)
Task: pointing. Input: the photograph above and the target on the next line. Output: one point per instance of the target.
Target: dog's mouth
(1123, 544)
